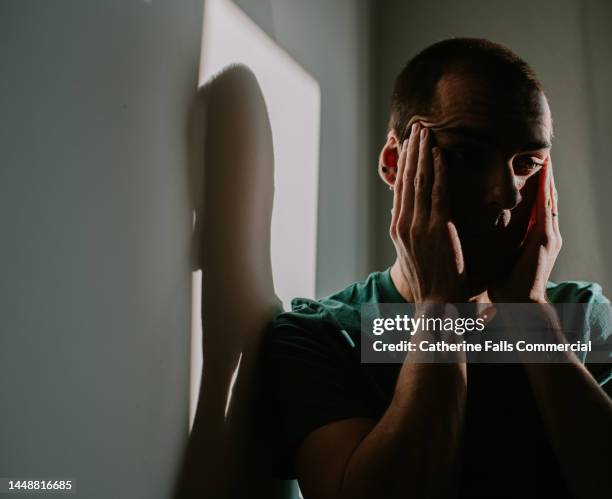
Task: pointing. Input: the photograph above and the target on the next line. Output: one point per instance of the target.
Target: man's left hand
(527, 281)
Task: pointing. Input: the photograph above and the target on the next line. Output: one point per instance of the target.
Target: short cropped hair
(414, 91)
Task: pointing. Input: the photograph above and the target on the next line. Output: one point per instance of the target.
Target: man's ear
(388, 158)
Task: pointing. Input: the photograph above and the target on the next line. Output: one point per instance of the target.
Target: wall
(568, 43)
(331, 41)
(597, 38)
(96, 221)
(95, 288)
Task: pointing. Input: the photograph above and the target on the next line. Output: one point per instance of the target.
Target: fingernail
(436, 152)
(423, 133)
(414, 128)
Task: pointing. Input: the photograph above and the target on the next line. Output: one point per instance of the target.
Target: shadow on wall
(230, 136)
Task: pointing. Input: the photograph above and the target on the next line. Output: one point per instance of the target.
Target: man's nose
(502, 187)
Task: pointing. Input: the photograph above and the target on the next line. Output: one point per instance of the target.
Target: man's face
(495, 146)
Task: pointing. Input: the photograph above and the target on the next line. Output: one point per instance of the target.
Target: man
(474, 219)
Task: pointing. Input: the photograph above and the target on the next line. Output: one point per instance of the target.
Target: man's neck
(403, 286)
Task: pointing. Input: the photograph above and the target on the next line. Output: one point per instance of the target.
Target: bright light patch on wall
(292, 97)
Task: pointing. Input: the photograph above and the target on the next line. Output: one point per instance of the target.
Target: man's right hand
(426, 240)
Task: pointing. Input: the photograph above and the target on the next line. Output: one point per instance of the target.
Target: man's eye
(526, 166)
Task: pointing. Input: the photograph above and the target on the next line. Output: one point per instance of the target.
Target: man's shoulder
(339, 310)
(575, 292)
(311, 370)
(586, 309)
(580, 299)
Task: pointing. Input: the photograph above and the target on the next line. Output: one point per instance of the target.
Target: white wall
(331, 40)
(95, 220)
(597, 35)
(569, 45)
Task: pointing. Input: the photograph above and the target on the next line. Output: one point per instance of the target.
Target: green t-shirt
(313, 376)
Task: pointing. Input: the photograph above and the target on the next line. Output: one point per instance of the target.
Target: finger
(398, 185)
(407, 203)
(424, 179)
(554, 197)
(543, 203)
(456, 245)
(440, 202)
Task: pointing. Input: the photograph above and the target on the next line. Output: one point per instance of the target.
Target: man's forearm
(578, 416)
(412, 449)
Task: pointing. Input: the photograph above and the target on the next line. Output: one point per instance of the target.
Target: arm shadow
(231, 166)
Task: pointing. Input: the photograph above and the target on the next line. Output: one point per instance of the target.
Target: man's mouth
(493, 225)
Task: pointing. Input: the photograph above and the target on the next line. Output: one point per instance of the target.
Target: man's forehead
(468, 104)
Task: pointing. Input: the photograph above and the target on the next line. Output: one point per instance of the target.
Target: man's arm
(409, 452)
(577, 414)
(576, 411)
